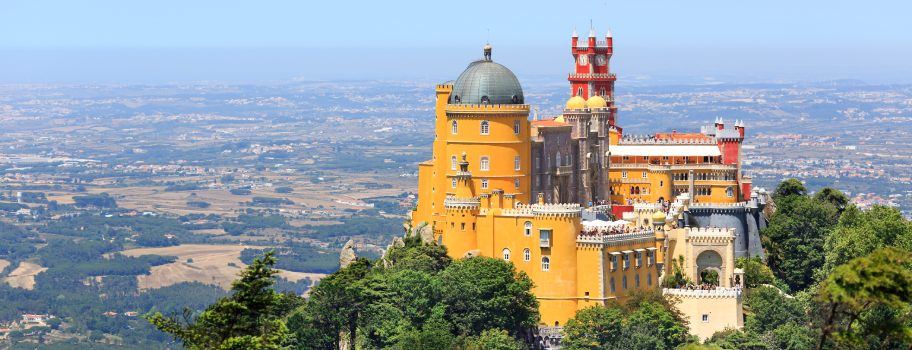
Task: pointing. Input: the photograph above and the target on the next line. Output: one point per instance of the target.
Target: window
(527, 228)
(506, 254)
(485, 163)
(462, 226)
(644, 175)
(705, 317)
(517, 161)
(639, 256)
(454, 182)
(626, 261)
(546, 263)
(527, 254)
(649, 279)
(453, 163)
(579, 91)
(624, 174)
(557, 159)
(544, 238)
(729, 192)
(485, 127)
(624, 282)
(516, 183)
(661, 183)
(614, 262)
(651, 257)
(636, 281)
(484, 184)
(612, 285)
(485, 99)
(516, 125)
(455, 127)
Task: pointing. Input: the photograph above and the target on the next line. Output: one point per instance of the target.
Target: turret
(609, 41)
(739, 127)
(720, 125)
(591, 38)
(574, 40)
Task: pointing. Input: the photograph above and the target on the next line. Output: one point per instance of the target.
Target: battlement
(640, 235)
(447, 87)
(652, 140)
(487, 108)
(647, 207)
(593, 76)
(551, 209)
(718, 206)
(709, 234)
(703, 293)
(453, 202)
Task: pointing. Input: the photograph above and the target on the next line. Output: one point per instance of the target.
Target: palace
(587, 212)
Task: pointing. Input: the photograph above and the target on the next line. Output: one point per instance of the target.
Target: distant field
(3, 264)
(210, 265)
(24, 275)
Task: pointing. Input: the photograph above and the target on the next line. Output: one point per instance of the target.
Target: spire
(591, 29)
(574, 33)
(608, 33)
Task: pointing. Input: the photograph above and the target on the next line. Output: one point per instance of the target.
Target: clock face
(601, 60)
(583, 60)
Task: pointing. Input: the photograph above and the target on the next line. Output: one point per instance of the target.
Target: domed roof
(576, 102)
(658, 217)
(596, 102)
(485, 81)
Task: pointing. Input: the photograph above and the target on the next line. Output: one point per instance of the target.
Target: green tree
(832, 196)
(644, 321)
(790, 187)
(756, 272)
(335, 305)
(768, 308)
(860, 300)
(595, 327)
(493, 339)
(795, 237)
(861, 232)
(251, 318)
(736, 340)
(485, 293)
(791, 336)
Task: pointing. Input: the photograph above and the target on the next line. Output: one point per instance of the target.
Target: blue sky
(165, 40)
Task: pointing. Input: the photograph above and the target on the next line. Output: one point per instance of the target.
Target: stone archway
(710, 260)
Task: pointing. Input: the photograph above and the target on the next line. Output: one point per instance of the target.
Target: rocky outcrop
(347, 255)
(471, 254)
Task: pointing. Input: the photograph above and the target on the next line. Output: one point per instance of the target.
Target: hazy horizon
(656, 43)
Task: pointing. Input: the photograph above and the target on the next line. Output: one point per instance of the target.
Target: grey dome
(485, 81)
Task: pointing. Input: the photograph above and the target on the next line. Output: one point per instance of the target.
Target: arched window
(527, 228)
(602, 92)
(613, 289)
(516, 127)
(546, 263)
(454, 182)
(453, 163)
(527, 254)
(729, 192)
(579, 91)
(517, 161)
(506, 254)
(484, 184)
(485, 127)
(649, 279)
(636, 281)
(624, 282)
(455, 128)
(557, 159)
(485, 163)
(516, 183)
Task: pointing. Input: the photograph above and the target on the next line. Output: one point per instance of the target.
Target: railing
(595, 76)
(703, 293)
(455, 202)
(649, 140)
(616, 238)
(650, 166)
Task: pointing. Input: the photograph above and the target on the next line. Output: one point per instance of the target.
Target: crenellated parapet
(715, 293)
(453, 202)
(709, 234)
(638, 236)
(652, 140)
(548, 209)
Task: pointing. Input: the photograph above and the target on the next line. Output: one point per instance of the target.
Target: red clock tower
(591, 75)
